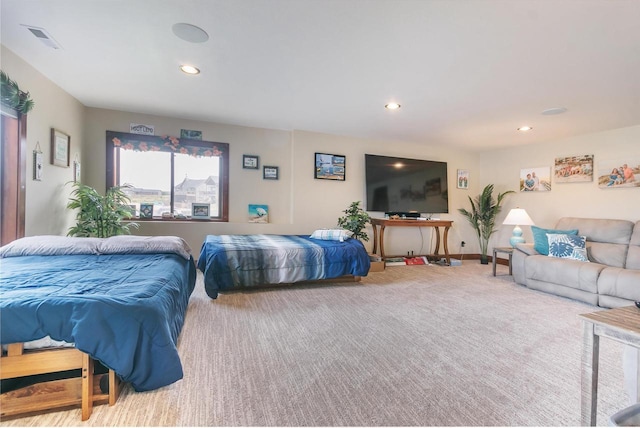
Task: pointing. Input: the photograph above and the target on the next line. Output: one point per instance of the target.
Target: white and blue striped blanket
(232, 261)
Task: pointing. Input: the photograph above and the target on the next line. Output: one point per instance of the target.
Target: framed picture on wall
(250, 162)
(270, 172)
(330, 167)
(537, 179)
(574, 169)
(60, 145)
(463, 179)
(619, 173)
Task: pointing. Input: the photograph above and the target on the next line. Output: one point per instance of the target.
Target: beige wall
(565, 199)
(46, 200)
(297, 202)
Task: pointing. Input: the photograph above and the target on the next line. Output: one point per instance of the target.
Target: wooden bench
(84, 390)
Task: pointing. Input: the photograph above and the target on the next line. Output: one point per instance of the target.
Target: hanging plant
(12, 96)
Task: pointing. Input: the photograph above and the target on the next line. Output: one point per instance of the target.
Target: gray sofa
(610, 279)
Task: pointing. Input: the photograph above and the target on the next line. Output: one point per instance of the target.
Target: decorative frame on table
(536, 179)
(146, 210)
(199, 210)
(330, 167)
(60, 147)
(574, 169)
(463, 179)
(250, 162)
(270, 172)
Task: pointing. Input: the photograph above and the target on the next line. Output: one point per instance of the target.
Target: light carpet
(414, 345)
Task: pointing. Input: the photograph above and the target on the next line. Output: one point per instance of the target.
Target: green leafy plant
(100, 216)
(12, 96)
(484, 210)
(355, 220)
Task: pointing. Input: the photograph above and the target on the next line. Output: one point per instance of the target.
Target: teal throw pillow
(540, 241)
(568, 246)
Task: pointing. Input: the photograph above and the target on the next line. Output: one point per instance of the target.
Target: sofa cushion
(565, 272)
(633, 256)
(607, 240)
(623, 283)
(540, 240)
(567, 246)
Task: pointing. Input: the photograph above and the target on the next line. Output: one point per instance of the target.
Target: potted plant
(484, 210)
(355, 220)
(100, 216)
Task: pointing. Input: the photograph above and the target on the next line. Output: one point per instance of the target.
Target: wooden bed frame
(83, 390)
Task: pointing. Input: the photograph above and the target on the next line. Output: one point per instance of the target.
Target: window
(170, 173)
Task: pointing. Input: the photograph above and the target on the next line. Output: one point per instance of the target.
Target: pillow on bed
(130, 244)
(50, 245)
(331, 234)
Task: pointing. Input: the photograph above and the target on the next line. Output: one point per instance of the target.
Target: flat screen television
(400, 185)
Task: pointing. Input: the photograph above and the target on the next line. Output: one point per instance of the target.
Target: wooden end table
(496, 250)
(620, 324)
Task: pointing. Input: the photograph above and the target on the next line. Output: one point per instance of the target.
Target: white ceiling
(467, 72)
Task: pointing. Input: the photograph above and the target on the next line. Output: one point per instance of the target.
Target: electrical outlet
(462, 244)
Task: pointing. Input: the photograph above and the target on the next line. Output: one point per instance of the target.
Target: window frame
(113, 167)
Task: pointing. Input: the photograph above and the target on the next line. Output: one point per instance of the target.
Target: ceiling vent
(42, 35)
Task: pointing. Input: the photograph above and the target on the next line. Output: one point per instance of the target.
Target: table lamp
(517, 217)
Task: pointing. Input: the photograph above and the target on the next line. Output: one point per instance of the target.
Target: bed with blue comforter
(122, 300)
(232, 261)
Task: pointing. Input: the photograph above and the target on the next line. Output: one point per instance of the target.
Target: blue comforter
(125, 310)
(230, 261)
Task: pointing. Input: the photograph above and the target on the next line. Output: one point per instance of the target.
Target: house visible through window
(169, 173)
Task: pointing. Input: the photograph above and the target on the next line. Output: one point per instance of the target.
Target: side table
(507, 250)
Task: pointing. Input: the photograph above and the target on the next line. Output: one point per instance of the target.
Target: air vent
(42, 35)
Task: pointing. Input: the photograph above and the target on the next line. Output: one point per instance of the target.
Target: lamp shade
(517, 217)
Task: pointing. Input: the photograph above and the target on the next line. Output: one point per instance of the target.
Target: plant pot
(484, 259)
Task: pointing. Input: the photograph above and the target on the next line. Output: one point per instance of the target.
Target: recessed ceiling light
(525, 128)
(190, 33)
(392, 106)
(554, 110)
(189, 69)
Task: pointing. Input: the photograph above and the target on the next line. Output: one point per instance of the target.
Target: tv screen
(400, 185)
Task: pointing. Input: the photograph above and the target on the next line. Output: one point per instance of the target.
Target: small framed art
(249, 162)
(60, 145)
(270, 172)
(463, 179)
(146, 210)
(200, 210)
(330, 167)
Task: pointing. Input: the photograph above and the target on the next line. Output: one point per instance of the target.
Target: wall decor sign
(76, 171)
(463, 179)
(619, 173)
(574, 169)
(139, 128)
(270, 172)
(330, 167)
(146, 210)
(191, 134)
(60, 145)
(199, 210)
(37, 163)
(258, 213)
(535, 179)
(250, 162)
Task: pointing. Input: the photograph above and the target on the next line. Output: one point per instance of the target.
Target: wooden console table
(436, 224)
